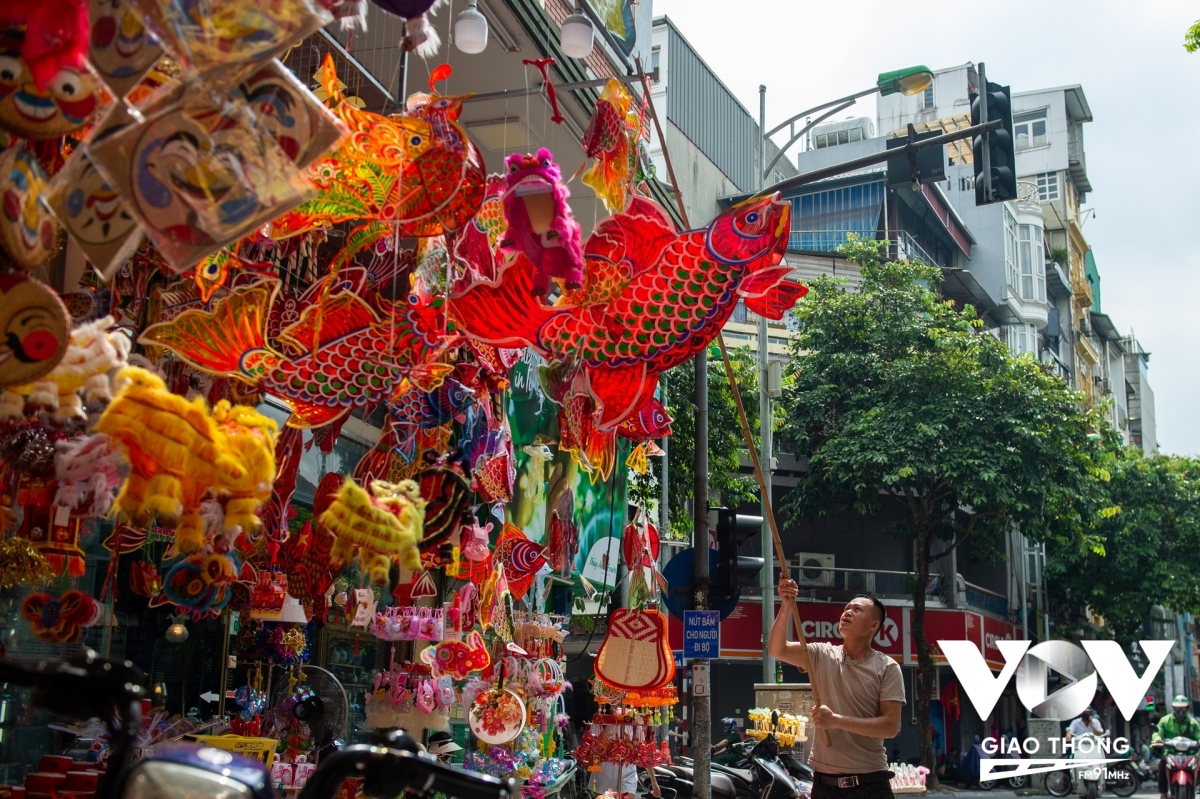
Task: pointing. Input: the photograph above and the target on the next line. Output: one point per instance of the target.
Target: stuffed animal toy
(539, 221)
(86, 468)
(178, 451)
(380, 527)
(421, 36)
(92, 352)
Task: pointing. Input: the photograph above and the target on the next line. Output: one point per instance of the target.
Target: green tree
(725, 439)
(1145, 551)
(1191, 39)
(901, 398)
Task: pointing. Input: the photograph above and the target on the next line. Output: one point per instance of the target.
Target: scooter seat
(722, 785)
(741, 773)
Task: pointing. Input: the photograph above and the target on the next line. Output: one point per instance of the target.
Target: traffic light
(732, 568)
(994, 153)
(1148, 705)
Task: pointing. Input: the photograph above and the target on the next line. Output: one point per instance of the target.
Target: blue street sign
(701, 634)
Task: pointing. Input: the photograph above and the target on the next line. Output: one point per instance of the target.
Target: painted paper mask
(121, 48)
(28, 232)
(63, 105)
(34, 330)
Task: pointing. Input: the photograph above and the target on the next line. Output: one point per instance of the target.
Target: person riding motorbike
(723, 751)
(1179, 723)
(1086, 723)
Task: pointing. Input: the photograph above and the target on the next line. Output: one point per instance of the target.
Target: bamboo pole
(768, 506)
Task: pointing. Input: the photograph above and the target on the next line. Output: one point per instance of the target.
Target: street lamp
(907, 81)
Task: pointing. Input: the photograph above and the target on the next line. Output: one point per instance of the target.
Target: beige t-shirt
(851, 688)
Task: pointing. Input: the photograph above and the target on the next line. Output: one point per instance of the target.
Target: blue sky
(1143, 149)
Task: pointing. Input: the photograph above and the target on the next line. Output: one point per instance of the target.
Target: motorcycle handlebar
(390, 772)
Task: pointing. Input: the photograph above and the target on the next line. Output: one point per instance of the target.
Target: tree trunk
(923, 686)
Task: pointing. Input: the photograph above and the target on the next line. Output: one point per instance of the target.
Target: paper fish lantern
(476, 243)
(520, 557)
(341, 355)
(198, 174)
(121, 48)
(611, 141)
(35, 330)
(653, 298)
(48, 98)
(417, 171)
(28, 232)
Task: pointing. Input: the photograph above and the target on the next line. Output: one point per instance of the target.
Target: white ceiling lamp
(577, 35)
(471, 30)
(177, 633)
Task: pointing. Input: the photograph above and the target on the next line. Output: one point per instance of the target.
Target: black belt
(852, 780)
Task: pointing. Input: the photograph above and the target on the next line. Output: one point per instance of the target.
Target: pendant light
(471, 30)
(577, 35)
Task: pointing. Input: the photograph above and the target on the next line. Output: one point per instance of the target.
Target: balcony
(903, 245)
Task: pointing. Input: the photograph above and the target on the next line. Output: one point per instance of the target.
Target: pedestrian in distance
(862, 691)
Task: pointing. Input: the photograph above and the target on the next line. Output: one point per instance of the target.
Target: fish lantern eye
(415, 141)
(752, 217)
(512, 170)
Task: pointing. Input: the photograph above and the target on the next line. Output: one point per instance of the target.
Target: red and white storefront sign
(741, 631)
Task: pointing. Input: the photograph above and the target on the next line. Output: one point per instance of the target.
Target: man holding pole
(859, 691)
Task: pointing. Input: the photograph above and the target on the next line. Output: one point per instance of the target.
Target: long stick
(768, 507)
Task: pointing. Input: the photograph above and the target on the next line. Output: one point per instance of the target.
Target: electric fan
(309, 705)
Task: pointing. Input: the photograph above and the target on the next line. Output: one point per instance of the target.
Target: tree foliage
(1144, 553)
(899, 397)
(725, 439)
(1191, 39)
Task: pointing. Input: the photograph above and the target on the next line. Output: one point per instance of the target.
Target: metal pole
(764, 431)
(664, 493)
(701, 726)
(224, 683)
(1024, 588)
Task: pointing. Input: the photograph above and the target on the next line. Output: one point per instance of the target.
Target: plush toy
(92, 352)
(87, 474)
(178, 451)
(539, 220)
(61, 620)
(381, 526)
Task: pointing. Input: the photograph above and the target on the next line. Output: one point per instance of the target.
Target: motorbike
(86, 686)
(1091, 780)
(761, 776)
(1180, 754)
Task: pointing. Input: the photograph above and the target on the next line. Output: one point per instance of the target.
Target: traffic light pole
(876, 158)
(701, 721)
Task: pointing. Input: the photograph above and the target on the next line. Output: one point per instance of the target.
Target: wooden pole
(768, 508)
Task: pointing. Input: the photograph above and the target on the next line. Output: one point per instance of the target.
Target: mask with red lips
(34, 330)
(65, 104)
(121, 48)
(28, 232)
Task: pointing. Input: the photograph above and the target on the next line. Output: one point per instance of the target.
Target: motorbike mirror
(185, 772)
(774, 718)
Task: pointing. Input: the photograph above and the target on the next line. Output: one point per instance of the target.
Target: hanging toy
(48, 90)
(121, 49)
(178, 451)
(421, 36)
(87, 471)
(61, 620)
(28, 231)
(458, 658)
(380, 527)
(540, 224)
(535, 487)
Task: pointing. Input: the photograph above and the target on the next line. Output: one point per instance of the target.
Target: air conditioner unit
(1085, 326)
(815, 569)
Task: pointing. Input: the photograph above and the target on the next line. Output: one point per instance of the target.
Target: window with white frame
(1021, 339)
(1030, 129)
(1047, 186)
(1032, 263)
(655, 57)
(927, 97)
(1010, 252)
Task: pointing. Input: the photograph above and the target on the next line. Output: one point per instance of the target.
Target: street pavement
(974, 793)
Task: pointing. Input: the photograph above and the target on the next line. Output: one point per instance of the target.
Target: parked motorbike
(86, 686)
(761, 776)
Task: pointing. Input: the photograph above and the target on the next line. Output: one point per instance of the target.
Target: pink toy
(540, 223)
(86, 468)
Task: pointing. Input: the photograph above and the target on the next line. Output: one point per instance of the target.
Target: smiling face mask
(34, 330)
(28, 232)
(64, 105)
(121, 48)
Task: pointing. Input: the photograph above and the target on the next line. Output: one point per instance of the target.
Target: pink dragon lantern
(653, 298)
(540, 223)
